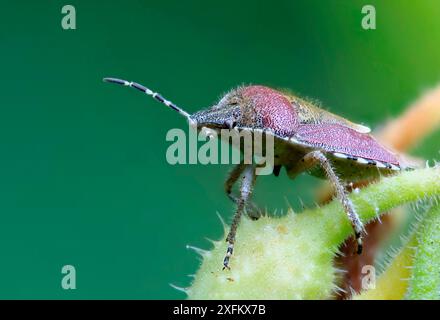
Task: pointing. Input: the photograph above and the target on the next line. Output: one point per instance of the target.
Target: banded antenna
(149, 92)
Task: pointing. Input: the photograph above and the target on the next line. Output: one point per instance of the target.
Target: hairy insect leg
(318, 158)
(251, 209)
(246, 188)
(233, 177)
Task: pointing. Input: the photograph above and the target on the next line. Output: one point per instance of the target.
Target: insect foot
(355, 221)
(228, 256)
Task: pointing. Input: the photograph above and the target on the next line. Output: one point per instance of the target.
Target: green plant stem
(292, 257)
(425, 280)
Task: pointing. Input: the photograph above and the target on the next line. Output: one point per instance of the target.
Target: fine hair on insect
(307, 139)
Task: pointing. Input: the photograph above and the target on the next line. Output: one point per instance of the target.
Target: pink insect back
(339, 139)
(271, 110)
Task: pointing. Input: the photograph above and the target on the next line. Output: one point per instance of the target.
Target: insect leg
(317, 157)
(251, 209)
(233, 177)
(246, 188)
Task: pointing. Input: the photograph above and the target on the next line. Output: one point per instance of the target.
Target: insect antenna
(149, 92)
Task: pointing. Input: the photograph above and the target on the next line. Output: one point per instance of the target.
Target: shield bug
(307, 139)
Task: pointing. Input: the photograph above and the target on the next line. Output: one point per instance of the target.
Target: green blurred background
(83, 175)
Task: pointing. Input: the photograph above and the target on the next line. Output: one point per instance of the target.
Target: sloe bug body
(300, 127)
(307, 139)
